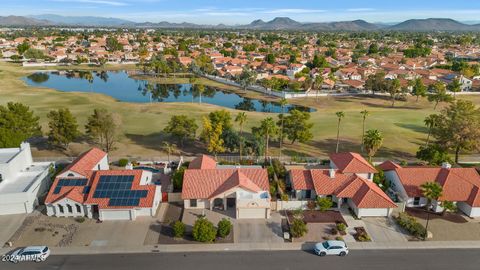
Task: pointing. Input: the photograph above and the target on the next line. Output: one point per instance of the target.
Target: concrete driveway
(383, 229)
(259, 230)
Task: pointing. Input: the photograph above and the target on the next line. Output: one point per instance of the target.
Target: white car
(28, 254)
(331, 248)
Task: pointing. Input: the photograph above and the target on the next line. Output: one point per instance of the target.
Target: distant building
(22, 181)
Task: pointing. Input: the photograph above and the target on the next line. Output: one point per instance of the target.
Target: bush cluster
(410, 224)
(123, 162)
(178, 229)
(224, 228)
(204, 231)
(298, 228)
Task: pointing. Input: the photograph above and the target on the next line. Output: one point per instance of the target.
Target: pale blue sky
(244, 11)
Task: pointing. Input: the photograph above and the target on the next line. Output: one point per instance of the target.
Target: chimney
(446, 165)
(129, 166)
(331, 173)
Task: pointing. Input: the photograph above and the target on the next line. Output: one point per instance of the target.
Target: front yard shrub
(364, 238)
(203, 230)
(80, 219)
(311, 205)
(298, 228)
(177, 178)
(273, 191)
(123, 162)
(224, 228)
(410, 224)
(324, 203)
(284, 197)
(361, 235)
(334, 231)
(279, 168)
(341, 227)
(339, 238)
(40, 229)
(178, 229)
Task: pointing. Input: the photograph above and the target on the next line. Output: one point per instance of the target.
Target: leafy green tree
(23, 47)
(448, 206)
(267, 129)
(433, 154)
(419, 89)
(283, 102)
(170, 148)
(113, 45)
(181, 127)
(177, 178)
(431, 122)
(439, 94)
(241, 119)
(224, 227)
(297, 126)
(373, 49)
(34, 54)
(458, 127)
(203, 230)
(375, 82)
(17, 124)
(324, 203)
(211, 135)
(178, 229)
(221, 117)
(247, 78)
(394, 89)
(270, 58)
(432, 191)
(63, 127)
(103, 127)
(340, 116)
(372, 141)
(454, 87)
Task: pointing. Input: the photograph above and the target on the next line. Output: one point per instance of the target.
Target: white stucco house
(211, 186)
(348, 181)
(87, 187)
(22, 181)
(460, 185)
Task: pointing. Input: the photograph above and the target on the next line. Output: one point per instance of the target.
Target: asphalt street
(372, 259)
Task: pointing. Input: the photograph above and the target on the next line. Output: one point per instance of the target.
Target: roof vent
(446, 165)
(331, 173)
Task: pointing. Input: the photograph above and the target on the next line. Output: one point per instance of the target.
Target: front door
(231, 202)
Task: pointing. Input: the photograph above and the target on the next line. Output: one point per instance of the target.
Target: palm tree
(431, 121)
(448, 206)
(268, 128)
(432, 191)
(340, 116)
(373, 141)
(283, 103)
(241, 119)
(170, 148)
(364, 114)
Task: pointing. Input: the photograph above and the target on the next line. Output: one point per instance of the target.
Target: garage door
(16, 208)
(251, 213)
(115, 215)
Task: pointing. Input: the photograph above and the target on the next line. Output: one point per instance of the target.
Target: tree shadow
(416, 128)
(154, 141)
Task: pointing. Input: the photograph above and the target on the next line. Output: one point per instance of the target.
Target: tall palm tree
(241, 119)
(268, 128)
(170, 148)
(373, 141)
(430, 121)
(432, 191)
(340, 116)
(364, 114)
(283, 103)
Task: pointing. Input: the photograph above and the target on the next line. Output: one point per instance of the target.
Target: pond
(119, 85)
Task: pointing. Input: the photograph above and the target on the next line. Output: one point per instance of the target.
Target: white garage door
(15, 208)
(115, 215)
(251, 213)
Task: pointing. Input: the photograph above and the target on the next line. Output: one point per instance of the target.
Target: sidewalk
(257, 247)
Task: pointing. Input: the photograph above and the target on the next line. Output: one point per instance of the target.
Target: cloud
(100, 2)
(293, 11)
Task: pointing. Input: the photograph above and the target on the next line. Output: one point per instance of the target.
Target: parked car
(331, 248)
(28, 254)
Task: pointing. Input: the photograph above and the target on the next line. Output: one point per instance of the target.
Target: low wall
(290, 205)
(175, 197)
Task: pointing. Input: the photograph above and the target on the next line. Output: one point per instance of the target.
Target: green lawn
(142, 124)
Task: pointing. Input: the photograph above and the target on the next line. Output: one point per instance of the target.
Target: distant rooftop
(7, 154)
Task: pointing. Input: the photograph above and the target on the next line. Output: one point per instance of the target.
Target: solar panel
(69, 183)
(118, 188)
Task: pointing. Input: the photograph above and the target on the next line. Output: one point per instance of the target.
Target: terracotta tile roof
(364, 194)
(203, 162)
(459, 184)
(203, 184)
(85, 163)
(102, 203)
(52, 197)
(389, 165)
(351, 163)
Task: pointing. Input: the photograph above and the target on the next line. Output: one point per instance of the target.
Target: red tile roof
(207, 183)
(459, 184)
(85, 163)
(351, 163)
(203, 162)
(364, 193)
(66, 191)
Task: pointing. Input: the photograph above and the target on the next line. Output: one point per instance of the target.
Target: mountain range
(279, 23)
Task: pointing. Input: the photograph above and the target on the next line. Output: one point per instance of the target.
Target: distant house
(88, 188)
(22, 181)
(243, 188)
(460, 185)
(348, 181)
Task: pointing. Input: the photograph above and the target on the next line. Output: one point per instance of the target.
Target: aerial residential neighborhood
(243, 135)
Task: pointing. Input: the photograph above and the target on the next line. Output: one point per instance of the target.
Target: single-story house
(87, 187)
(211, 186)
(22, 181)
(460, 185)
(347, 181)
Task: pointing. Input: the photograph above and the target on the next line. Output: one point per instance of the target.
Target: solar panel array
(118, 188)
(69, 183)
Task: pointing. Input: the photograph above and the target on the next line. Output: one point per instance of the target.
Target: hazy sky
(244, 11)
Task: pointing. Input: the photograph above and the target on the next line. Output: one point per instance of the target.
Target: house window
(308, 193)
(79, 209)
(99, 167)
(70, 175)
(60, 208)
(193, 203)
(69, 207)
(416, 201)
